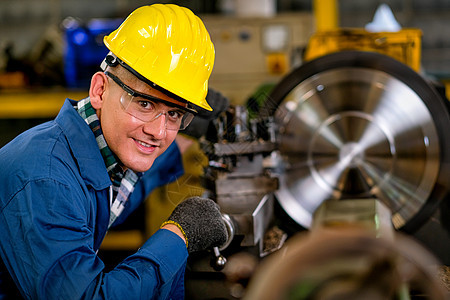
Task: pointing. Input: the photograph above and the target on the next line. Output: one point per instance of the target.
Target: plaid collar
(123, 183)
(87, 112)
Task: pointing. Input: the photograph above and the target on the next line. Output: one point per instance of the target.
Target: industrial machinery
(349, 128)
(360, 124)
(348, 264)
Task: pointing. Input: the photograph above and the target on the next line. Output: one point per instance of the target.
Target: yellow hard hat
(169, 46)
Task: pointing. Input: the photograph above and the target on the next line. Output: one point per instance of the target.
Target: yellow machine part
(403, 45)
(24, 104)
(326, 14)
(446, 83)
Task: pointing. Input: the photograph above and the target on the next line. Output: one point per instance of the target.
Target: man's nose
(157, 126)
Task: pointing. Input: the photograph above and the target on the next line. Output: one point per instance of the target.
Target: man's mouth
(145, 146)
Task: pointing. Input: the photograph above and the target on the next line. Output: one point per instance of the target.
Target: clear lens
(147, 111)
(187, 118)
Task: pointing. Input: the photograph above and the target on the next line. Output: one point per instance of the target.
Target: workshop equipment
(360, 124)
(349, 128)
(404, 45)
(348, 264)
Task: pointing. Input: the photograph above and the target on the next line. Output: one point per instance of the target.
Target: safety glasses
(148, 108)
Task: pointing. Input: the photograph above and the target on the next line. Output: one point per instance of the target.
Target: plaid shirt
(123, 183)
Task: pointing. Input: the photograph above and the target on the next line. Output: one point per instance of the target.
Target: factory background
(26, 25)
(40, 62)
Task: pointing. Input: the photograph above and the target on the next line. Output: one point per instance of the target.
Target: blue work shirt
(54, 212)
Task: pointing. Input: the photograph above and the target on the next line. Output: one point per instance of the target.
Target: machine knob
(220, 262)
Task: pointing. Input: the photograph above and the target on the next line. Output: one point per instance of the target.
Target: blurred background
(33, 38)
(50, 48)
(54, 45)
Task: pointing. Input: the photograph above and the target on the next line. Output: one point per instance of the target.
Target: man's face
(136, 143)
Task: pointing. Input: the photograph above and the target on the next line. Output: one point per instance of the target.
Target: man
(65, 182)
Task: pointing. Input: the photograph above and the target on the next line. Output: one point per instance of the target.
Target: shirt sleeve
(47, 242)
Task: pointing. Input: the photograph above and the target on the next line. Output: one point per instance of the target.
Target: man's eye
(175, 114)
(147, 105)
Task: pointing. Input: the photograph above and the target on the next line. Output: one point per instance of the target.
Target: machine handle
(219, 262)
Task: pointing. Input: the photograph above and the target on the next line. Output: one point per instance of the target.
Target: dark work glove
(201, 223)
(200, 123)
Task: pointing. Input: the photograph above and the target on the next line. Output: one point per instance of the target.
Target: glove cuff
(179, 227)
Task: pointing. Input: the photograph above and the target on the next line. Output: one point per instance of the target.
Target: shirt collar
(88, 113)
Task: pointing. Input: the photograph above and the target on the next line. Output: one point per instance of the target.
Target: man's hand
(200, 221)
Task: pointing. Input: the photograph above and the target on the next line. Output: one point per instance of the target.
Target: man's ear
(99, 82)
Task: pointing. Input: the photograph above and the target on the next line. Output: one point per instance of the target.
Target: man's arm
(47, 240)
(173, 228)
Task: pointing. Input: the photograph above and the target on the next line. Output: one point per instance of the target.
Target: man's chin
(138, 162)
(139, 166)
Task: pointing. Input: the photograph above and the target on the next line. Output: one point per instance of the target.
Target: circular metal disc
(360, 125)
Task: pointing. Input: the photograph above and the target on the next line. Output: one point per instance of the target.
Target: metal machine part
(220, 261)
(351, 137)
(369, 214)
(348, 263)
(237, 176)
(361, 125)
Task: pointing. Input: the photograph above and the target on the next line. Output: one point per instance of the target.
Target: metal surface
(230, 230)
(367, 214)
(348, 264)
(360, 125)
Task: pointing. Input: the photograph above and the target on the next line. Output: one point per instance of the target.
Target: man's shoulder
(34, 149)
(31, 156)
(33, 144)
